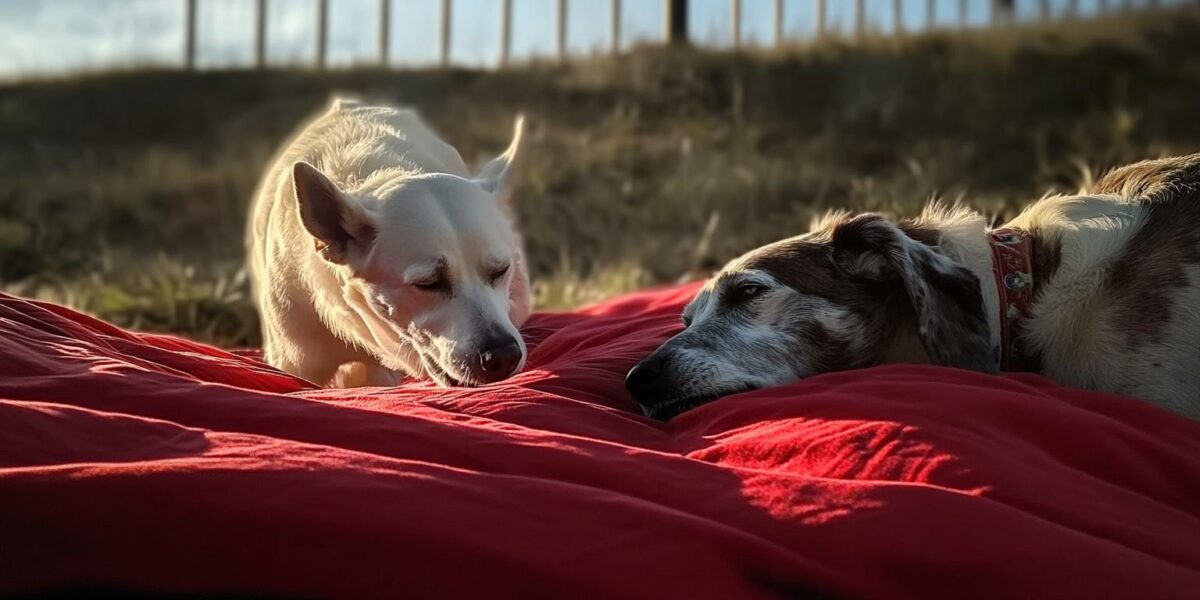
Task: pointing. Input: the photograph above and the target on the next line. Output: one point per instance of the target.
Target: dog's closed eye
(497, 274)
(436, 283)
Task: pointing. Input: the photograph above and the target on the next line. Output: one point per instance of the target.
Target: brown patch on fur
(1047, 256)
(922, 233)
(945, 296)
(1150, 177)
(1143, 278)
(865, 265)
(806, 265)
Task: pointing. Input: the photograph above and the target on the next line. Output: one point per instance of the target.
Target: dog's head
(853, 293)
(425, 265)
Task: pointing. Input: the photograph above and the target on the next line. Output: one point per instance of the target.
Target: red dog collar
(1012, 264)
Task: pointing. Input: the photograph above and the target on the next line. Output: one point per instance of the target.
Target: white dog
(374, 253)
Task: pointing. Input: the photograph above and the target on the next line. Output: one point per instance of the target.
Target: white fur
(1072, 324)
(361, 320)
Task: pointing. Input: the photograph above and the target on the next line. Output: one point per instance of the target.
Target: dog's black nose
(643, 380)
(498, 360)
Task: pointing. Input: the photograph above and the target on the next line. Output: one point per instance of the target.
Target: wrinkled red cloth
(148, 463)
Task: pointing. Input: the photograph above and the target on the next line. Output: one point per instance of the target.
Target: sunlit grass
(160, 295)
(567, 288)
(125, 194)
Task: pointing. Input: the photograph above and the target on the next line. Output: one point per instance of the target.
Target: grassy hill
(125, 194)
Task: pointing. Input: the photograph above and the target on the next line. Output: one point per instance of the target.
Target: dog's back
(1119, 309)
(351, 142)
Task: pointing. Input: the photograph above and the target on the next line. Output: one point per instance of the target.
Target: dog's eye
(435, 284)
(746, 291)
(495, 276)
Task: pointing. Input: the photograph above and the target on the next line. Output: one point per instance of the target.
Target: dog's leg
(380, 376)
(320, 373)
(365, 373)
(352, 374)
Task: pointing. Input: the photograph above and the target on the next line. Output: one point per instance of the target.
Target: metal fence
(675, 19)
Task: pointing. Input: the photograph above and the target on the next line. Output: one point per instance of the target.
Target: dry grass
(125, 194)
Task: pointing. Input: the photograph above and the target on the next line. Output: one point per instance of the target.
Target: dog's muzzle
(653, 388)
(645, 380)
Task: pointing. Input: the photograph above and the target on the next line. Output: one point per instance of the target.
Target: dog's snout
(644, 380)
(498, 359)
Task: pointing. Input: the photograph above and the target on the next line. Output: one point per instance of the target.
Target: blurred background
(666, 136)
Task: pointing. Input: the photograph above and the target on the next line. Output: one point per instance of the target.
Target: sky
(55, 36)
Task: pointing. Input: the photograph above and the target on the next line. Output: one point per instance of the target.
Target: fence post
(735, 23)
(385, 30)
(779, 23)
(929, 14)
(819, 5)
(562, 30)
(444, 41)
(1073, 8)
(505, 31)
(260, 34)
(1043, 10)
(322, 31)
(1004, 11)
(614, 26)
(189, 34)
(962, 14)
(677, 21)
(897, 17)
(860, 19)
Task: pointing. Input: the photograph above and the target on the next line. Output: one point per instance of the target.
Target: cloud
(51, 36)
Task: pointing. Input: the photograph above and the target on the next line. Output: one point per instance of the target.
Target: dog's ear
(495, 177)
(337, 222)
(944, 295)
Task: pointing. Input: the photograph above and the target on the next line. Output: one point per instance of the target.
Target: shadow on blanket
(149, 463)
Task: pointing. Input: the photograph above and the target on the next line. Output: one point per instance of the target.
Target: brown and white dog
(1099, 291)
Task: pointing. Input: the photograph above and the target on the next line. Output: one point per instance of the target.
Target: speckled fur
(1116, 305)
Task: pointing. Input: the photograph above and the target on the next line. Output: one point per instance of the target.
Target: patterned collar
(1012, 264)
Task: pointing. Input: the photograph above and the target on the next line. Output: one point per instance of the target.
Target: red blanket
(136, 462)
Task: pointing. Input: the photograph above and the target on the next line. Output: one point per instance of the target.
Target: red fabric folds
(148, 463)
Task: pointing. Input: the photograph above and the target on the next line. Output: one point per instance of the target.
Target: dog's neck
(1012, 264)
